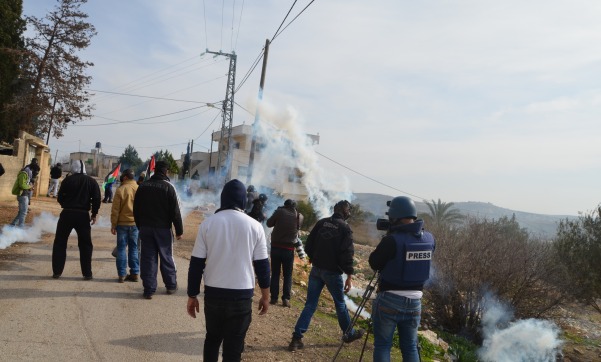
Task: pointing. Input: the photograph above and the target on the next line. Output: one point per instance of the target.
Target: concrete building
(96, 162)
(211, 167)
(13, 159)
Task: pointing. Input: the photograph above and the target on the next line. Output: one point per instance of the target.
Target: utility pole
(253, 144)
(223, 155)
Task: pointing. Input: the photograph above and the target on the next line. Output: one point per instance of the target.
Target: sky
(455, 100)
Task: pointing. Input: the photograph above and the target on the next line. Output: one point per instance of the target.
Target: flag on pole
(150, 169)
(112, 176)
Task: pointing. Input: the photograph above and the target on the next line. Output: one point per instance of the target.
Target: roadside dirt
(270, 334)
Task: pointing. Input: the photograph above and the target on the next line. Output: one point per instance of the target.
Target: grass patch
(463, 349)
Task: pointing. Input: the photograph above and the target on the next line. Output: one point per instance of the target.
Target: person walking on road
(228, 246)
(123, 225)
(22, 190)
(286, 222)
(56, 173)
(403, 258)
(330, 250)
(156, 209)
(78, 194)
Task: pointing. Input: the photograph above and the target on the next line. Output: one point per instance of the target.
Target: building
(96, 162)
(212, 167)
(13, 159)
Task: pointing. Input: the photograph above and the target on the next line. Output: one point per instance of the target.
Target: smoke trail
(523, 340)
(45, 223)
(350, 304)
(285, 147)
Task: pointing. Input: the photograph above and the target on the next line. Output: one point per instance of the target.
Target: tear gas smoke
(514, 341)
(350, 304)
(286, 147)
(45, 223)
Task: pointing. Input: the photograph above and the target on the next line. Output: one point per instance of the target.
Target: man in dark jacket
(403, 258)
(286, 222)
(77, 195)
(156, 209)
(56, 173)
(330, 250)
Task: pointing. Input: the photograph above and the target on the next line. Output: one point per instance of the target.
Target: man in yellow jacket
(22, 189)
(124, 226)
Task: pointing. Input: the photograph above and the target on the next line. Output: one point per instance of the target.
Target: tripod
(366, 295)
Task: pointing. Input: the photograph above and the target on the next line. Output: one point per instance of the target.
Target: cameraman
(403, 258)
(286, 222)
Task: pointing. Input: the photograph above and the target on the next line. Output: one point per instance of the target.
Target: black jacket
(56, 172)
(156, 205)
(330, 245)
(79, 192)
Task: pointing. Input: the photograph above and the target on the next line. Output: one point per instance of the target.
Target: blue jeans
(127, 237)
(390, 311)
(281, 260)
(333, 281)
(19, 220)
(227, 322)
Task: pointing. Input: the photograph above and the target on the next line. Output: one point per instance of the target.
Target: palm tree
(442, 213)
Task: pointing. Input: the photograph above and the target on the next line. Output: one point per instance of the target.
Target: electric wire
(233, 20)
(204, 10)
(141, 96)
(135, 120)
(222, 14)
(249, 72)
(239, 25)
(291, 21)
(283, 21)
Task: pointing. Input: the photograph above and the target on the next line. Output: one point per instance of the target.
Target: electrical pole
(251, 158)
(223, 155)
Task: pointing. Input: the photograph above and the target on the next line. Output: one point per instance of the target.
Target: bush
(490, 257)
(309, 215)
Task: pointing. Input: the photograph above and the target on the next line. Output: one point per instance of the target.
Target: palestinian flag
(112, 176)
(150, 169)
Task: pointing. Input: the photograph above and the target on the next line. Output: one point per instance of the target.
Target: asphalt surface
(70, 319)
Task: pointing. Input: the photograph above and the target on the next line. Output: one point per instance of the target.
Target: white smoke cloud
(522, 340)
(351, 305)
(287, 147)
(45, 223)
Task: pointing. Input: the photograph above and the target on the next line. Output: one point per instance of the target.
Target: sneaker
(172, 291)
(56, 276)
(286, 303)
(131, 277)
(273, 302)
(121, 279)
(147, 296)
(357, 334)
(295, 343)
(88, 277)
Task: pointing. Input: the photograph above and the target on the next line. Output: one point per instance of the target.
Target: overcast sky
(492, 101)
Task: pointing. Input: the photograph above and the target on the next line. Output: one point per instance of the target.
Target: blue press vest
(410, 268)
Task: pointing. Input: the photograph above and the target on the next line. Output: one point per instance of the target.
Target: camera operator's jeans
(127, 238)
(318, 278)
(390, 311)
(281, 260)
(19, 220)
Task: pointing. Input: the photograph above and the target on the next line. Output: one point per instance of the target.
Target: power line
(282, 23)
(204, 10)
(239, 25)
(222, 14)
(140, 96)
(291, 21)
(367, 177)
(134, 120)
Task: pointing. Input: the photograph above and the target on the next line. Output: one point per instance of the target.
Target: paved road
(70, 319)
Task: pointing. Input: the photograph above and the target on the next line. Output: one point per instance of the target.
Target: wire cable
(204, 10)
(233, 19)
(282, 23)
(291, 21)
(222, 14)
(140, 96)
(134, 120)
(239, 25)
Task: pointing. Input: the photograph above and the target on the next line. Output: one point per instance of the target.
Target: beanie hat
(233, 196)
(161, 167)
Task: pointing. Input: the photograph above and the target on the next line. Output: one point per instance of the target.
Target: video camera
(383, 224)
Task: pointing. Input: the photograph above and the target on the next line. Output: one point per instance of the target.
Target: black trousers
(157, 245)
(281, 260)
(80, 221)
(227, 321)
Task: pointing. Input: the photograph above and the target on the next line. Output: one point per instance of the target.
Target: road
(70, 319)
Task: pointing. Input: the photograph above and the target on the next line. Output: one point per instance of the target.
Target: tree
(130, 158)
(55, 73)
(441, 214)
(12, 26)
(309, 215)
(578, 246)
(167, 157)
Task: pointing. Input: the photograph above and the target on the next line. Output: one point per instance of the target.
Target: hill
(537, 224)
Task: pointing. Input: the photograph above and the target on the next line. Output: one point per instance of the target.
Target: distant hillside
(537, 224)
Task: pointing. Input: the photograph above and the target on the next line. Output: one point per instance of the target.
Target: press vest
(410, 268)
